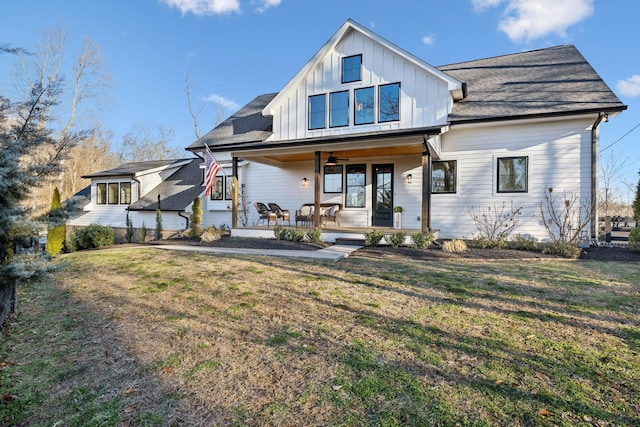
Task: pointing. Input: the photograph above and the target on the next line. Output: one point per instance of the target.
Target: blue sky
(234, 50)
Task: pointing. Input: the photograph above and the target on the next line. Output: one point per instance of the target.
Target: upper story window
(317, 112)
(339, 109)
(443, 177)
(113, 193)
(364, 106)
(512, 174)
(389, 102)
(351, 69)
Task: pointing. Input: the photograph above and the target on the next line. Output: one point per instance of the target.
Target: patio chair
(264, 214)
(282, 214)
(304, 215)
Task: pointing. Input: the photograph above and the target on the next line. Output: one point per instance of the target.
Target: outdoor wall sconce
(304, 182)
(409, 178)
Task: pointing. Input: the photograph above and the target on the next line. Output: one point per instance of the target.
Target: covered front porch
(368, 177)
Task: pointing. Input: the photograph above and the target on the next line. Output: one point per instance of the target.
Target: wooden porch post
(234, 193)
(316, 194)
(426, 189)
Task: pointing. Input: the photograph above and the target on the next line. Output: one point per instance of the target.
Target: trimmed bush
(195, 219)
(373, 237)
(290, 234)
(565, 250)
(395, 239)
(93, 236)
(422, 240)
(456, 245)
(634, 239)
(55, 239)
(314, 236)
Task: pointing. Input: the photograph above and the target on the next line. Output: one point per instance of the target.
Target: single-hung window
(443, 177)
(364, 108)
(351, 68)
(101, 193)
(112, 194)
(333, 179)
(317, 112)
(125, 193)
(356, 180)
(512, 174)
(339, 109)
(389, 102)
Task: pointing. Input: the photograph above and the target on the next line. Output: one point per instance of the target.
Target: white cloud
(222, 101)
(266, 4)
(526, 20)
(630, 87)
(204, 7)
(428, 40)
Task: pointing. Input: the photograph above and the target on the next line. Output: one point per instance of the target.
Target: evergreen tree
(129, 232)
(195, 219)
(57, 231)
(158, 221)
(636, 204)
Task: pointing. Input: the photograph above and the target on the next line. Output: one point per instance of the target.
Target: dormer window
(351, 69)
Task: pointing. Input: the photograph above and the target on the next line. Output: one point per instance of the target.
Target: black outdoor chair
(282, 214)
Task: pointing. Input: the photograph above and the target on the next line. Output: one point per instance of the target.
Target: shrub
(524, 243)
(196, 219)
(422, 240)
(634, 239)
(210, 234)
(395, 239)
(290, 234)
(373, 237)
(55, 239)
(314, 236)
(563, 249)
(486, 243)
(456, 245)
(143, 232)
(129, 232)
(278, 232)
(93, 236)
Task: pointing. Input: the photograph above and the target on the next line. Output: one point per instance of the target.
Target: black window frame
(515, 177)
(359, 169)
(342, 68)
(111, 185)
(125, 196)
(103, 192)
(217, 190)
(373, 105)
(380, 101)
(331, 170)
(324, 111)
(455, 177)
(331, 110)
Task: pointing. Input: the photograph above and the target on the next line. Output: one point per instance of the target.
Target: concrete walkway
(331, 253)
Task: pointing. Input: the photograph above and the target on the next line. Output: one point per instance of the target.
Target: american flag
(211, 170)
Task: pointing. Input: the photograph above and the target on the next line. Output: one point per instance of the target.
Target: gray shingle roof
(556, 80)
(176, 192)
(552, 81)
(245, 125)
(130, 169)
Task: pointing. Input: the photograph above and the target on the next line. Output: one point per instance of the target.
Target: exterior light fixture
(304, 182)
(409, 178)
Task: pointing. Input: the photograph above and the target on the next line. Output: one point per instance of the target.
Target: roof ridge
(562, 46)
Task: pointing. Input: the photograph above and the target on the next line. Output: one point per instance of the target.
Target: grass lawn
(147, 337)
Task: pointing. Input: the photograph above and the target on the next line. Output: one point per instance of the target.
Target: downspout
(133, 178)
(594, 178)
(186, 218)
(426, 186)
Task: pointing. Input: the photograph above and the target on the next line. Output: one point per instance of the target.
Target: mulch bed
(591, 254)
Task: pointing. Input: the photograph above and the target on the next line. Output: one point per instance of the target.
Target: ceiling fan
(333, 160)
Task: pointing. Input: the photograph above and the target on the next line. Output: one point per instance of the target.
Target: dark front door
(382, 196)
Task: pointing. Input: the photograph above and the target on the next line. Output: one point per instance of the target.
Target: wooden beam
(234, 197)
(316, 194)
(426, 190)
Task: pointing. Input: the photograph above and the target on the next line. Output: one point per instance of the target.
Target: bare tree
(194, 114)
(612, 186)
(58, 102)
(565, 217)
(145, 143)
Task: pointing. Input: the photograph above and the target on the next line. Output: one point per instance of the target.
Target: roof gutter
(594, 175)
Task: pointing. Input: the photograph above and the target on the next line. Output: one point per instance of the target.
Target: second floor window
(351, 68)
(389, 102)
(339, 109)
(317, 112)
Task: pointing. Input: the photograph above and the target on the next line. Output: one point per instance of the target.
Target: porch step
(349, 241)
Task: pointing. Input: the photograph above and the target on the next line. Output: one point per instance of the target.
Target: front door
(382, 196)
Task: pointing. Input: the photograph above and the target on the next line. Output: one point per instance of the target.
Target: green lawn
(146, 337)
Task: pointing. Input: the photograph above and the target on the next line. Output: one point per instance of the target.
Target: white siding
(425, 99)
(559, 156)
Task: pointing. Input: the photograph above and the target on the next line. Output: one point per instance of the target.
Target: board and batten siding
(425, 99)
(559, 155)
